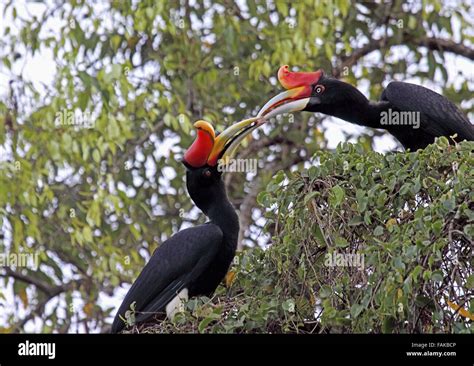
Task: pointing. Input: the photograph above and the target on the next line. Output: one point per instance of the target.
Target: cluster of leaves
(410, 216)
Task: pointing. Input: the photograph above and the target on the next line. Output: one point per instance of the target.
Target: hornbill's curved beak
(299, 87)
(208, 148)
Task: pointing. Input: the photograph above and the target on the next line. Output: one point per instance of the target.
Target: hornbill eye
(319, 89)
(207, 173)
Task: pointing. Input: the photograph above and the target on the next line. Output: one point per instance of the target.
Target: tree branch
(249, 201)
(48, 290)
(433, 44)
(438, 44)
(50, 293)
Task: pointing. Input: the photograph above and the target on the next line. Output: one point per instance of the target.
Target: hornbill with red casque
(316, 92)
(195, 260)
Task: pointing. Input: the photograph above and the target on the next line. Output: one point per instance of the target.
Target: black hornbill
(316, 92)
(195, 260)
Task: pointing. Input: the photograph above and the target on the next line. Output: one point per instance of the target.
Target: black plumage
(196, 259)
(437, 115)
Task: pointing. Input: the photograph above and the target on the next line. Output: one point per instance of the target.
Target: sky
(40, 69)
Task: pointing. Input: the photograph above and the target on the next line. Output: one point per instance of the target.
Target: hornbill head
(208, 155)
(306, 91)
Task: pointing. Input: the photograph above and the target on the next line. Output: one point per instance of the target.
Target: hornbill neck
(215, 204)
(222, 213)
(352, 106)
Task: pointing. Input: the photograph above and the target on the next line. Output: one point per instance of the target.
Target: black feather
(174, 265)
(438, 116)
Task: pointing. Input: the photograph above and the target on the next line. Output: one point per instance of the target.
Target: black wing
(173, 265)
(439, 117)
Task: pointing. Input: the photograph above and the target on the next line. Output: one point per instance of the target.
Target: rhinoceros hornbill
(195, 260)
(395, 112)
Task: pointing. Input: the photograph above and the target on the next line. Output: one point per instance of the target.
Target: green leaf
(437, 276)
(337, 195)
(470, 282)
(87, 233)
(115, 41)
(93, 214)
(449, 204)
(96, 156)
(378, 230)
(204, 323)
(83, 100)
(356, 220)
(398, 263)
(113, 129)
(135, 232)
(356, 309)
(326, 291)
(341, 242)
